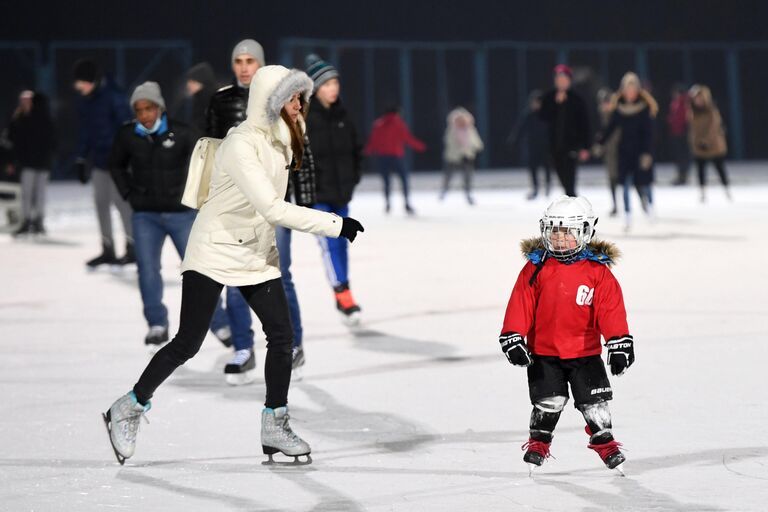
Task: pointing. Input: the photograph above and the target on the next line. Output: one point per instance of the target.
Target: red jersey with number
(567, 309)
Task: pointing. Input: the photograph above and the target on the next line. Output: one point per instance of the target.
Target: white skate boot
(277, 436)
(242, 368)
(122, 421)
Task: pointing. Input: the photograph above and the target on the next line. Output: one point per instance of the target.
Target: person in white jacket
(233, 243)
(461, 143)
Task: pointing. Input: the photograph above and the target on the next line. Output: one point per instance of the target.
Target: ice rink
(416, 410)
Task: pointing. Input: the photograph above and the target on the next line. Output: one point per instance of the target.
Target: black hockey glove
(515, 349)
(350, 228)
(621, 353)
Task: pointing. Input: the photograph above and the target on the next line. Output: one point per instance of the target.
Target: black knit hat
(319, 70)
(86, 70)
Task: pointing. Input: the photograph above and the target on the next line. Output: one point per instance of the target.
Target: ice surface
(418, 409)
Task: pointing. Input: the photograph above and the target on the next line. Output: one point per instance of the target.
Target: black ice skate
(345, 303)
(107, 257)
(608, 449)
(297, 363)
(536, 452)
(242, 368)
(156, 338)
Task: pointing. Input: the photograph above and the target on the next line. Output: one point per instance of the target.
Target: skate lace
(130, 424)
(539, 447)
(287, 433)
(605, 450)
(241, 357)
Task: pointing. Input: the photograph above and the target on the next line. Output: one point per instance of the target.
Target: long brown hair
(297, 137)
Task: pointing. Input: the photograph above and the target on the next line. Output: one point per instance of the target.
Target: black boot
(107, 257)
(37, 226)
(129, 257)
(24, 229)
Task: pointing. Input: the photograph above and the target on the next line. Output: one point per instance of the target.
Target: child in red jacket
(564, 300)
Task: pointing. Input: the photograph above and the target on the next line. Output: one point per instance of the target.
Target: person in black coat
(227, 106)
(200, 87)
(33, 141)
(531, 137)
(566, 114)
(148, 164)
(633, 115)
(337, 156)
(102, 109)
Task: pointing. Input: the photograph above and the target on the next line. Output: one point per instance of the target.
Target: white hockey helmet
(572, 215)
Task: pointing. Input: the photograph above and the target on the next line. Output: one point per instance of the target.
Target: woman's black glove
(350, 227)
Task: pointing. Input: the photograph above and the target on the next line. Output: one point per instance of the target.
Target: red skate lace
(605, 450)
(539, 447)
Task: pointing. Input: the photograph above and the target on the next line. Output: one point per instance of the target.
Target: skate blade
(294, 463)
(108, 425)
(620, 470)
(532, 469)
(240, 379)
(352, 320)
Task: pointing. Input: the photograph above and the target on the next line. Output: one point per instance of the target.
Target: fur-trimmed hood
(605, 252)
(645, 99)
(270, 89)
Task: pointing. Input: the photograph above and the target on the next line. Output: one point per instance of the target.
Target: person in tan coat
(233, 243)
(706, 137)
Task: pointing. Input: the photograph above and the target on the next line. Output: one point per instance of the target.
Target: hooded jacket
(568, 306)
(461, 141)
(706, 135)
(233, 237)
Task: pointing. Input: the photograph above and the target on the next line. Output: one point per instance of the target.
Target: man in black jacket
(227, 107)
(226, 110)
(148, 164)
(566, 114)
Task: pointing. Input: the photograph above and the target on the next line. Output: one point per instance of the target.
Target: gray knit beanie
(319, 70)
(149, 91)
(249, 47)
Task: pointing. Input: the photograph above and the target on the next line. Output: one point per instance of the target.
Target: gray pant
(105, 194)
(33, 185)
(466, 166)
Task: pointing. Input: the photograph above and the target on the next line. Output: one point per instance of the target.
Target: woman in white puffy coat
(233, 243)
(461, 143)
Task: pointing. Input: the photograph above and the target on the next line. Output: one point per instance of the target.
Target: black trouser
(565, 166)
(199, 295)
(701, 164)
(681, 156)
(533, 168)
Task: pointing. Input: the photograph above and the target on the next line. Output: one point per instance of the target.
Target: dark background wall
(211, 28)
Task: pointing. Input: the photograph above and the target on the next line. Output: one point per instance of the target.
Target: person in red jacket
(386, 144)
(564, 300)
(677, 122)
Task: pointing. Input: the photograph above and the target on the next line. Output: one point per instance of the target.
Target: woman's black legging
(199, 295)
(701, 164)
